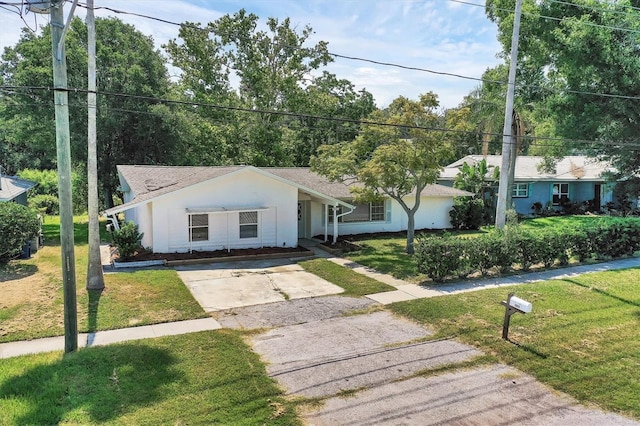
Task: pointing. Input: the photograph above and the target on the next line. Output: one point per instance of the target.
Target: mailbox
(520, 304)
(513, 305)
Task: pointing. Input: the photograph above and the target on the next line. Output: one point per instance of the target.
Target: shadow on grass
(16, 271)
(104, 383)
(528, 348)
(51, 232)
(603, 292)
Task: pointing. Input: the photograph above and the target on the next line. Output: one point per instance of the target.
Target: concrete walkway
(101, 338)
(409, 291)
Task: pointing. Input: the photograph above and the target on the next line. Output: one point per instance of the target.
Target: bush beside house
(18, 225)
(445, 256)
(127, 240)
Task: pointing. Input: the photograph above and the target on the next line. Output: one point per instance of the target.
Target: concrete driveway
(363, 366)
(220, 286)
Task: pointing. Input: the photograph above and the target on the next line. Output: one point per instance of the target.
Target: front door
(596, 197)
(302, 218)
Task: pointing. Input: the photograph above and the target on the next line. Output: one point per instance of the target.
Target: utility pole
(508, 138)
(61, 101)
(95, 278)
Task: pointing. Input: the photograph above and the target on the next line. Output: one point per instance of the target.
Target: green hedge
(445, 256)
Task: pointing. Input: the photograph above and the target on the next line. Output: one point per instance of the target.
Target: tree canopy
(129, 129)
(281, 83)
(579, 66)
(397, 159)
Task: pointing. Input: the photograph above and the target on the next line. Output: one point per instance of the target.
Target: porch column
(335, 223)
(326, 221)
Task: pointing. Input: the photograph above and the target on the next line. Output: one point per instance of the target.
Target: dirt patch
(30, 293)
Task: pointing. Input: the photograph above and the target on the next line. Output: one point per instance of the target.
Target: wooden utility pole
(61, 101)
(508, 136)
(95, 278)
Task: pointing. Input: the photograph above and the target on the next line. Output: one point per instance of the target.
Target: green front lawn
(353, 283)
(196, 379)
(581, 338)
(31, 305)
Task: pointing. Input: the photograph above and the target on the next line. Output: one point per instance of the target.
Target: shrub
(467, 213)
(438, 257)
(127, 240)
(580, 244)
(484, 252)
(18, 225)
(554, 247)
(529, 246)
(46, 204)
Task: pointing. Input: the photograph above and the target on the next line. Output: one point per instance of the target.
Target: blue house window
(560, 193)
(520, 190)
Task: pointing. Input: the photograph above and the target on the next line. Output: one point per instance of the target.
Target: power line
(628, 144)
(420, 69)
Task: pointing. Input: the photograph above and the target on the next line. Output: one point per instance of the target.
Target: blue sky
(440, 35)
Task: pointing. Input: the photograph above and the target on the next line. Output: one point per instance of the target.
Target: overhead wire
(627, 144)
(379, 63)
(421, 69)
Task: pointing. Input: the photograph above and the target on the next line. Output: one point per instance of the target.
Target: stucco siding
(275, 201)
(432, 214)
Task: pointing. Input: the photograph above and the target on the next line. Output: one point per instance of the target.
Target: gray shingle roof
(148, 182)
(568, 169)
(11, 187)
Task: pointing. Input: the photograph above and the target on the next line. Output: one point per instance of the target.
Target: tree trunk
(411, 225)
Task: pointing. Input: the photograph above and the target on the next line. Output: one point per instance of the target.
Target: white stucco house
(181, 209)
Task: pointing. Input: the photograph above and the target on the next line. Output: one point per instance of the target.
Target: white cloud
(434, 34)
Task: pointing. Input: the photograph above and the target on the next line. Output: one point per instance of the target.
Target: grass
(32, 303)
(581, 337)
(353, 283)
(570, 221)
(386, 255)
(198, 379)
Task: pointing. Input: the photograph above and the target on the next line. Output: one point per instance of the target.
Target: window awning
(198, 210)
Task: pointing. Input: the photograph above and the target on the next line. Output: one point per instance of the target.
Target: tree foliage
(129, 130)
(18, 225)
(570, 54)
(278, 72)
(396, 160)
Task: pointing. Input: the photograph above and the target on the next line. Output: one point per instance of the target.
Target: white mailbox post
(512, 305)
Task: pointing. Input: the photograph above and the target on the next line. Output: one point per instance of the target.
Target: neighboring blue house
(14, 189)
(575, 178)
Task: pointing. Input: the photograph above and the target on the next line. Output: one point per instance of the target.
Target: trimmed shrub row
(445, 256)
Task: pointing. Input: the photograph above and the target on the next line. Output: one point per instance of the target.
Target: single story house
(14, 189)
(180, 209)
(575, 178)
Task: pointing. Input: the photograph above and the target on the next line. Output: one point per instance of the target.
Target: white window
(378, 210)
(560, 193)
(198, 227)
(520, 190)
(248, 224)
(369, 212)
